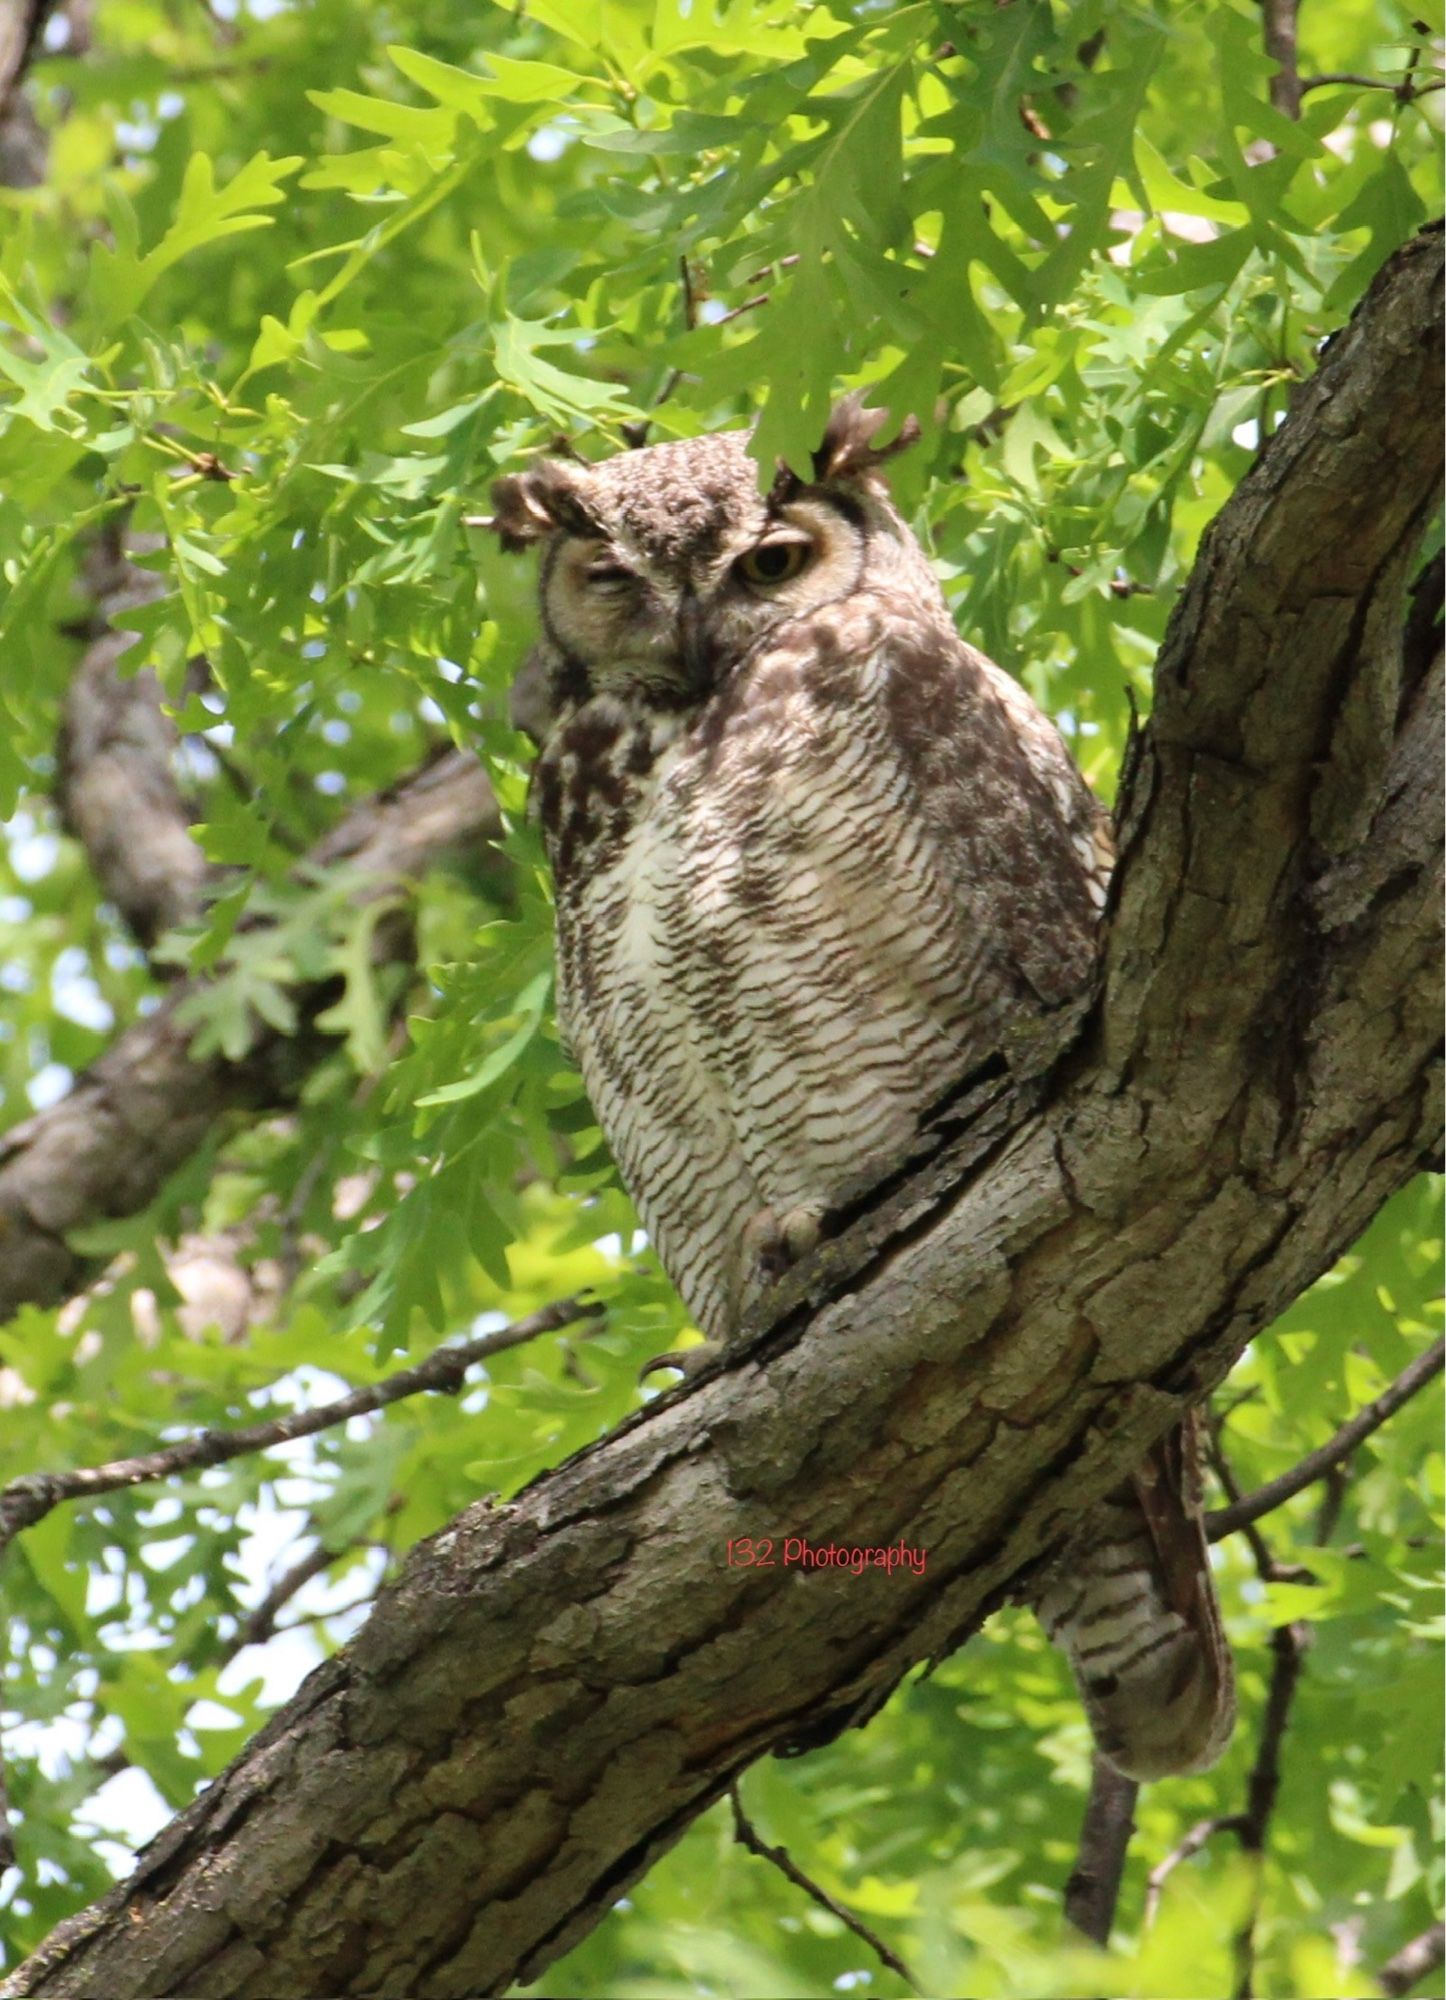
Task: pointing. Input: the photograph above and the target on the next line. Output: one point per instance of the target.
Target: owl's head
(663, 568)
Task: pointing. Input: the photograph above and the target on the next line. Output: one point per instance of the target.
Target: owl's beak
(693, 644)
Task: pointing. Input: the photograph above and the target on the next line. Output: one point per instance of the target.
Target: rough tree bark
(556, 1687)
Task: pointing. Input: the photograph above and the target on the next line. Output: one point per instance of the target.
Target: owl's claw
(689, 1361)
(771, 1244)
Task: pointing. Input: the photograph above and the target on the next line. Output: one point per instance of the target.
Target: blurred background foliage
(283, 286)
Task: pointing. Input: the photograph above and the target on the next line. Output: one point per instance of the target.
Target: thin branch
(690, 302)
(260, 1625)
(1195, 1839)
(748, 1836)
(255, 1629)
(1265, 1560)
(28, 1500)
(1330, 76)
(1093, 1889)
(1404, 92)
(1413, 1961)
(1336, 1483)
(305, 1620)
(1279, 25)
(1317, 1464)
(771, 270)
(1290, 1644)
(736, 312)
(7, 1838)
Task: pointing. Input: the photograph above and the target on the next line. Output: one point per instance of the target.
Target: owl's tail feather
(1134, 1608)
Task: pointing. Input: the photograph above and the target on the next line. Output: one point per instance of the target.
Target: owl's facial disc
(634, 609)
(602, 609)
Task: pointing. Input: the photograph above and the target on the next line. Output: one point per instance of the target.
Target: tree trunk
(556, 1687)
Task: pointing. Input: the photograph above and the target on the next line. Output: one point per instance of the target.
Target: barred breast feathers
(793, 923)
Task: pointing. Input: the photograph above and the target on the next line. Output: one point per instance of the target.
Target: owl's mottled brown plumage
(815, 859)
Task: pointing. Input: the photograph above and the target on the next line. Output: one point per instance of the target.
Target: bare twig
(1413, 1961)
(1194, 1840)
(1290, 1644)
(1336, 1485)
(771, 270)
(324, 1614)
(1093, 1889)
(1317, 1464)
(748, 1836)
(1346, 76)
(690, 302)
(1265, 1560)
(25, 1501)
(260, 1624)
(7, 1838)
(736, 312)
(1407, 91)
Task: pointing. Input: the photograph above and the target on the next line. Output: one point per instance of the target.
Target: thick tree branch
(555, 1688)
(146, 1105)
(116, 784)
(22, 143)
(20, 32)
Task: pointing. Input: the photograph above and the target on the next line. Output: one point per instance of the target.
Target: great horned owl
(816, 859)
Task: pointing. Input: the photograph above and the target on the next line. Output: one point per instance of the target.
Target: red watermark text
(797, 1552)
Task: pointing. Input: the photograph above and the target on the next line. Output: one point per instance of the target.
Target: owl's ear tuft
(848, 450)
(786, 485)
(527, 506)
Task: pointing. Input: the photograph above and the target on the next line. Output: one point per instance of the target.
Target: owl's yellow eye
(774, 562)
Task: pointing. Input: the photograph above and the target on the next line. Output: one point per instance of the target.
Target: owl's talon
(689, 1361)
(771, 1244)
